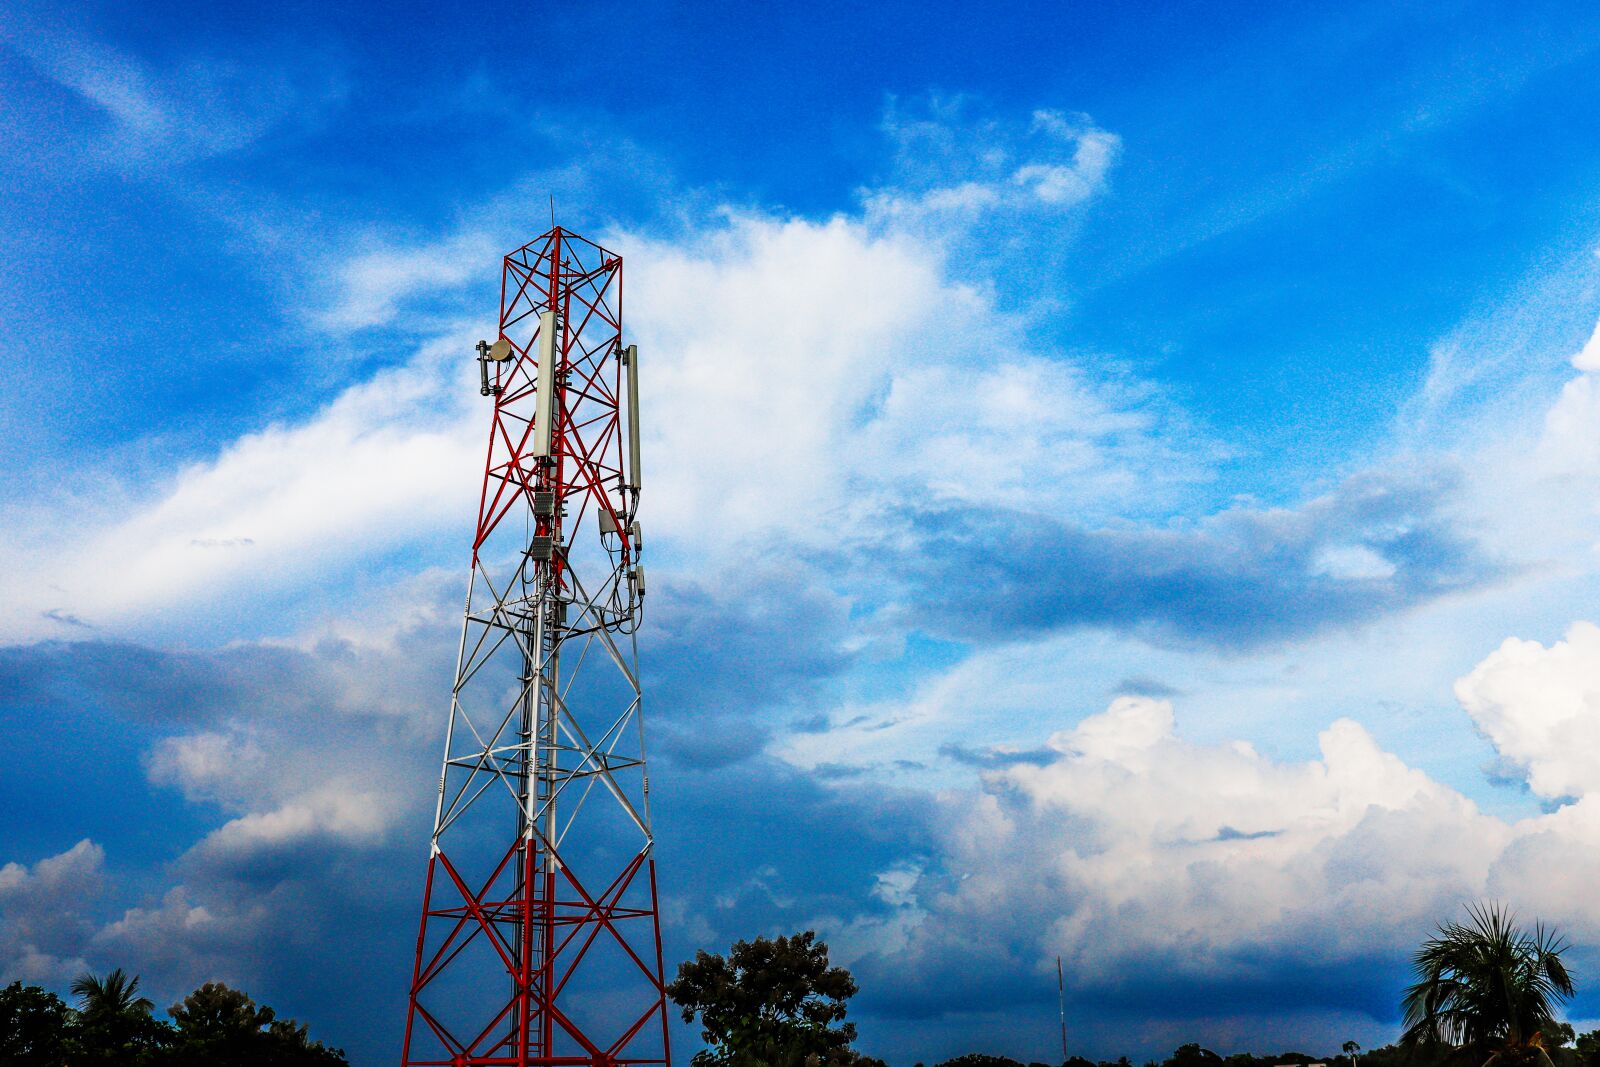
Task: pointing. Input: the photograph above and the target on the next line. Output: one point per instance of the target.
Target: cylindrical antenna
(630, 359)
(483, 367)
(545, 412)
(1061, 996)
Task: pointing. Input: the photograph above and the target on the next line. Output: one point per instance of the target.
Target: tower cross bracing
(540, 940)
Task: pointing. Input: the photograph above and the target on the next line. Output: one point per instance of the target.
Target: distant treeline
(113, 1025)
(1565, 1049)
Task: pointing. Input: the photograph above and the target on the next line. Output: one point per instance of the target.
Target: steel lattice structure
(540, 941)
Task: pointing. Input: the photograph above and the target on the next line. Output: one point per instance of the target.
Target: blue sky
(1122, 487)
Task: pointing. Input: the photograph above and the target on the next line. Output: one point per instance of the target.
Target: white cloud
(180, 942)
(288, 791)
(203, 106)
(819, 372)
(1093, 153)
(1132, 844)
(333, 811)
(1122, 842)
(1567, 454)
(761, 346)
(390, 462)
(1541, 709)
(1588, 358)
(210, 767)
(295, 793)
(369, 286)
(1529, 450)
(43, 927)
(1057, 162)
(800, 377)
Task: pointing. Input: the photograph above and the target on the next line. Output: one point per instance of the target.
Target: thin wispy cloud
(151, 117)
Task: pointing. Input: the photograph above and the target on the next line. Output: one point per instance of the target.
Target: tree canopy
(770, 1002)
(1489, 989)
(33, 1026)
(114, 1024)
(216, 1024)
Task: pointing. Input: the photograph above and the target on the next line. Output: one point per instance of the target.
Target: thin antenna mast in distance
(1061, 997)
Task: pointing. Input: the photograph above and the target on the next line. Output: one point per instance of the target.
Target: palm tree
(113, 997)
(1350, 1049)
(1488, 989)
(114, 1022)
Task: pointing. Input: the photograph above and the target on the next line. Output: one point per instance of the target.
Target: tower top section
(565, 436)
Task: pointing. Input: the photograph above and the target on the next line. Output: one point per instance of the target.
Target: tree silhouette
(114, 995)
(114, 1022)
(33, 1027)
(216, 1024)
(768, 1003)
(1488, 989)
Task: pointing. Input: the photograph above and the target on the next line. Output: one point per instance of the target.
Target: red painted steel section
(533, 910)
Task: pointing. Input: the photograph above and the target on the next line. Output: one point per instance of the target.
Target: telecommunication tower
(540, 940)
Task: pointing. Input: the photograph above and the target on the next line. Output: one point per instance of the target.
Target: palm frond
(1486, 984)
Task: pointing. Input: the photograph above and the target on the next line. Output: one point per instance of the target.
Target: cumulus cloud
(1222, 850)
(840, 373)
(285, 792)
(181, 942)
(44, 923)
(1540, 707)
(844, 373)
(1151, 863)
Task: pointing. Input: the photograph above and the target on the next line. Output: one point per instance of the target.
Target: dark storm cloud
(977, 756)
(178, 687)
(725, 664)
(312, 920)
(143, 683)
(1242, 579)
(997, 975)
(762, 847)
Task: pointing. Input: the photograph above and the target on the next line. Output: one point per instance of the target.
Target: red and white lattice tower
(540, 941)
